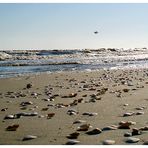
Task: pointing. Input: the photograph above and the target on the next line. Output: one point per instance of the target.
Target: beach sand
(109, 94)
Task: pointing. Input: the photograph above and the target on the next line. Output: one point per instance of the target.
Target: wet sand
(100, 98)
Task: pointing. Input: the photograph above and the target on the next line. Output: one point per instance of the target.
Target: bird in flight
(96, 32)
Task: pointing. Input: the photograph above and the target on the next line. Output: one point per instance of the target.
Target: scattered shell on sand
(12, 127)
(29, 137)
(72, 142)
(73, 135)
(128, 114)
(140, 113)
(132, 140)
(90, 114)
(26, 103)
(108, 142)
(84, 127)
(72, 112)
(145, 128)
(94, 131)
(45, 109)
(112, 127)
(79, 121)
(140, 108)
(135, 131)
(127, 134)
(4, 109)
(9, 117)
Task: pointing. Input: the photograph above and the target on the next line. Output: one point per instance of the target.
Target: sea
(24, 62)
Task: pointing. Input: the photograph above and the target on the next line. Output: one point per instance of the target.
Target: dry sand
(62, 89)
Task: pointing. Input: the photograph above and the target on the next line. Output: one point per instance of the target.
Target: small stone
(50, 115)
(29, 137)
(132, 140)
(94, 131)
(72, 142)
(127, 134)
(124, 125)
(29, 85)
(108, 142)
(12, 127)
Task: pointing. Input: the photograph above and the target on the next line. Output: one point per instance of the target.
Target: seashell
(112, 127)
(72, 142)
(4, 109)
(94, 131)
(46, 99)
(26, 103)
(127, 134)
(50, 115)
(9, 117)
(125, 104)
(12, 127)
(93, 114)
(73, 135)
(83, 127)
(72, 112)
(136, 132)
(140, 113)
(90, 114)
(140, 108)
(108, 142)
(29, 137)
(128, 114)
(79, 121)
(144, 128)
(132, 140)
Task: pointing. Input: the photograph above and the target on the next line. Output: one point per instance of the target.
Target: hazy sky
(56, 26)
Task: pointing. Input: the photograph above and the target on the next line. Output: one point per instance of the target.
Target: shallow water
(26, 62)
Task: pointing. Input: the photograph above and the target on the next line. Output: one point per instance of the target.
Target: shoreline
(82, 91)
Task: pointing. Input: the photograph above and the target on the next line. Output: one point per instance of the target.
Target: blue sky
(60, 26)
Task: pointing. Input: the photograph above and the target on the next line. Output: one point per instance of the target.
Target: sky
(72, 26)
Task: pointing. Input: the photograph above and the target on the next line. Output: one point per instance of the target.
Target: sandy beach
(98, 107)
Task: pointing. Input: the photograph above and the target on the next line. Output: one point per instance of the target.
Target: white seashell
(132, 140)
(72, 142)
(29, 137)
(9, 117)
(140, 113)
(79, 121)
(108, 142)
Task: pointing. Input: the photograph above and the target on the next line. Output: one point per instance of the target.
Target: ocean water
(21, 62)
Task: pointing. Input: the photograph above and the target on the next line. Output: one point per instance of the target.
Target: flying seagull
(96, 32)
